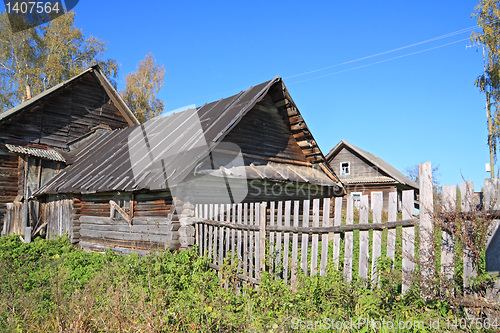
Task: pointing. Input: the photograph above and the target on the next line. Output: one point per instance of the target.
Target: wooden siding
(57, 212)
(367, 189)
(9, 182)
(265, 132)
(154, 224)
(64, 116)
(359, 167)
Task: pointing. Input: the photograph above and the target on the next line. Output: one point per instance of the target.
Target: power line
(451, 34)
(381, 61)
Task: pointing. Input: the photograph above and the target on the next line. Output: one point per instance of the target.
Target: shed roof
(375, 160)
(163, 151)
(96, 71)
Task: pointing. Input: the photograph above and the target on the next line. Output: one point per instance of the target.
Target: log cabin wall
(154, 223)
(9, 182)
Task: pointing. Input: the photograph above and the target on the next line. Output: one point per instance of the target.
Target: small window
(120, 207)
(356, 196)
(345, 168)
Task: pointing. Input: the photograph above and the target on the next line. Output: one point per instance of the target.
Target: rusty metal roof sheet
(162, 152)
(47, 154)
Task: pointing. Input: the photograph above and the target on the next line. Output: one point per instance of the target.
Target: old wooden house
(134, 189)
(41, 136)
(363, 173)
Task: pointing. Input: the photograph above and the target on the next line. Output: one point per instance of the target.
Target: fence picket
(251, 243)
(286, 241)
(364, 239)
(448, 241)
(295, 242)
(348, 241)
(279, 222)
(377, 201)
(305, 237)
(391, 233)
(233, 235)
(315, 238)
(245, 240)
(408, 241)
(272, 207)
(239, 244)
(336, 236)
(324, 237)
(467, 206)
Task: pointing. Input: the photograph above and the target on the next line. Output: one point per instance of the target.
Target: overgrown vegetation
(50, 286)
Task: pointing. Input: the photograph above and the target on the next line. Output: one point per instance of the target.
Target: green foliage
(44, 56)
(142, 88)
(50, 286)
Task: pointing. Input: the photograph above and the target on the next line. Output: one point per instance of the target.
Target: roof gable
(97, 73)
(376, 161)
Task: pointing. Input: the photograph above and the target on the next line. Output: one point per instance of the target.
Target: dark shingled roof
(164, 148)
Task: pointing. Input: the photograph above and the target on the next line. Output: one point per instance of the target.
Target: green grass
(49, 286)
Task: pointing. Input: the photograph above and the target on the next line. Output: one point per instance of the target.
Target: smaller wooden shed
(363, 173)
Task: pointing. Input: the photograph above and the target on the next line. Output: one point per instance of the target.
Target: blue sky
(408, 110)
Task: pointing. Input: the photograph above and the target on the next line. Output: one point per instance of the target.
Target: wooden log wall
(154, 224)
(10, 175)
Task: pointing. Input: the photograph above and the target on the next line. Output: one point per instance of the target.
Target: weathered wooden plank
(251, 243)
(408, 241)
(240, 237)
(286, 241)
(142, 229)
(295, 243)
(315, 238)
(305, 237)
(324, 237)
(391, 233)
(272, 210)
(257, 242)
(349, 241)
(426, 227)
(233, 236)
(336, 236)
(364, 239)
(245, 240)
(126, 236)
(377, 203)
(279, 222)
(449, 194)
(467, 197)
(220, 240)
(262, 236)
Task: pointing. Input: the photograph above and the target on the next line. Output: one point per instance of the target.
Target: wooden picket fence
(287, 236)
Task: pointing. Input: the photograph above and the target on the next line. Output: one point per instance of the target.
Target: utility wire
(451, 34)
(382, 61)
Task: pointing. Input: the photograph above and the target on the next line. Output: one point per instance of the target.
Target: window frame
(348, 169)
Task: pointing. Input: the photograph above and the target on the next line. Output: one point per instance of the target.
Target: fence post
(408, 241)
(426, 227)
(467, 206)
(448, 241)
